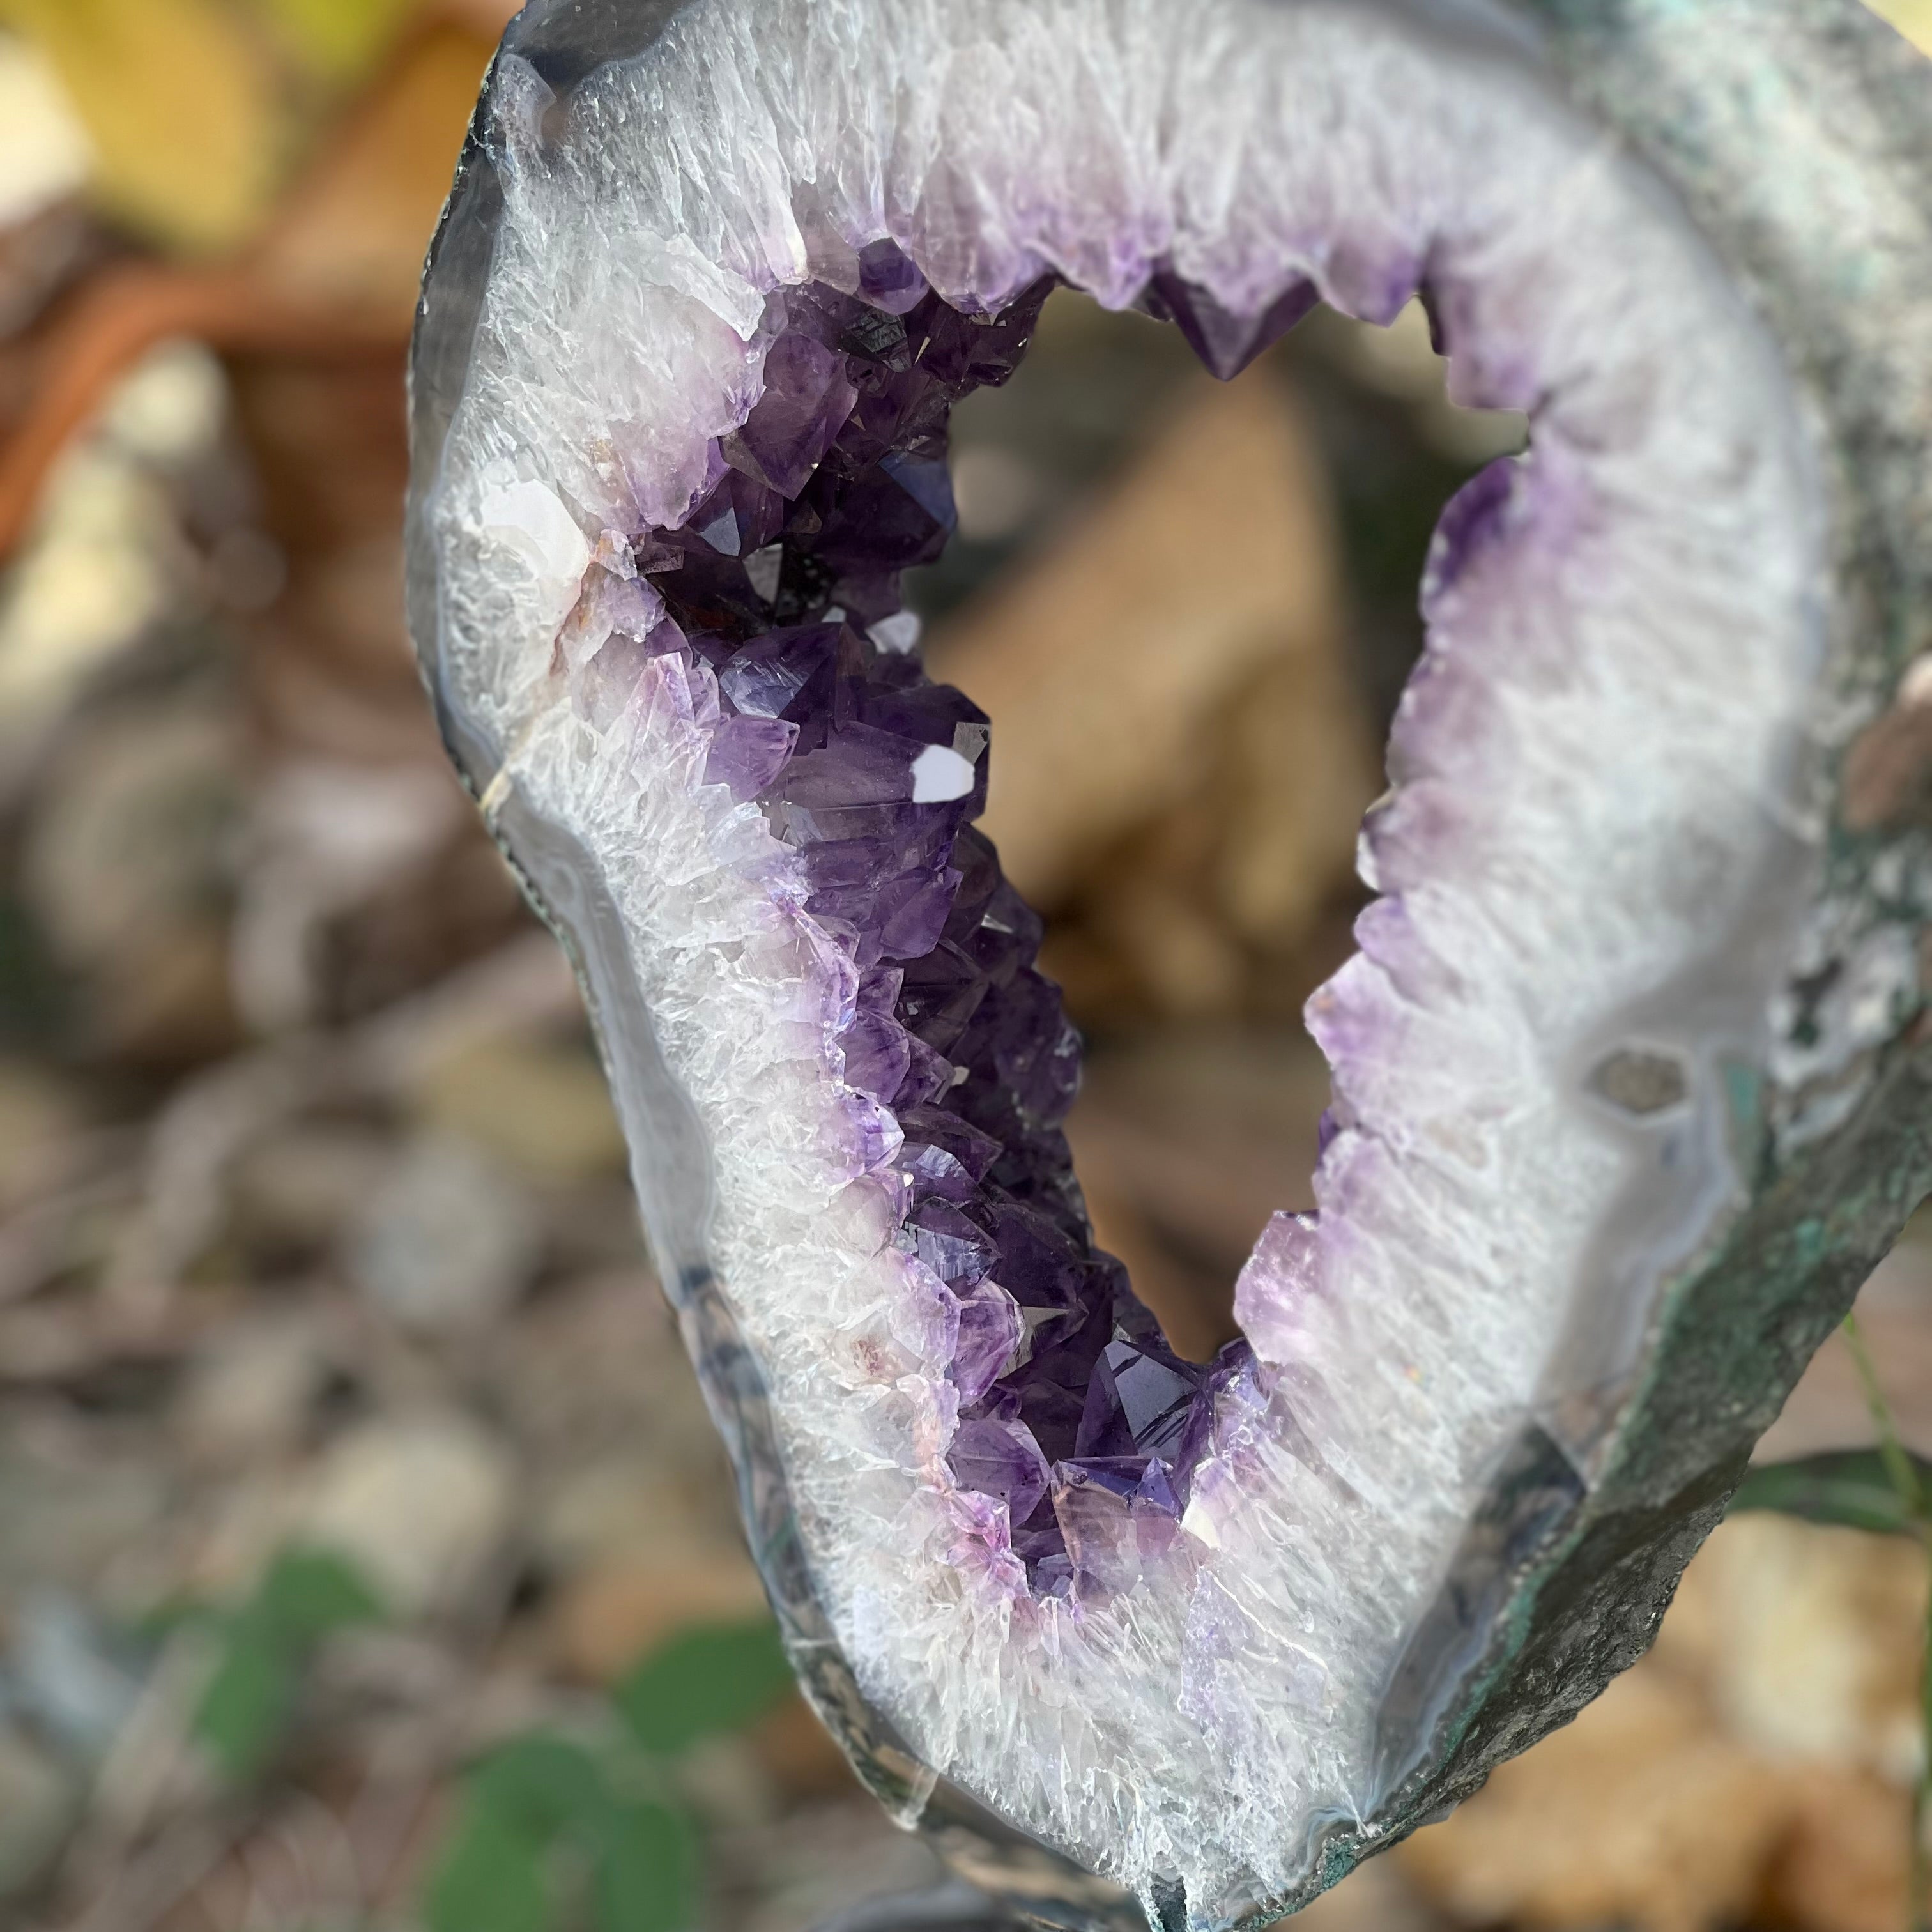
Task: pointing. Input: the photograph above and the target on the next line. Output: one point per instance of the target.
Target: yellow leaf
(1913, 18)
(181, 103)
(354, 229)
(337, 39)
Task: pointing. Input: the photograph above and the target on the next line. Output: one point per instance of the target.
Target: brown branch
(124, 312)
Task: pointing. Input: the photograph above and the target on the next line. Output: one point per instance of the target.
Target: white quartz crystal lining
(1592, 763)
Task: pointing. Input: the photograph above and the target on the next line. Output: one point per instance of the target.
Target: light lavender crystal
(714, 275)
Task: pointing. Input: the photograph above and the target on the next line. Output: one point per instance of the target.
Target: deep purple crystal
(1074, 1413)
(786, 673)
(1226, 342)
(1116, 1514)
(948, 1243)
(738, 517)
(990, 1328)
(1137, 1402)
(878, 1052)
(747, 753)
(1001, 1458)
(808, 397)
(887, 280)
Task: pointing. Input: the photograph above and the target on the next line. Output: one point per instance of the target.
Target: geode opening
(1212, 1632)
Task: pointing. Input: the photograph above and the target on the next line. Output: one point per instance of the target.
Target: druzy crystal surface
(714, 277)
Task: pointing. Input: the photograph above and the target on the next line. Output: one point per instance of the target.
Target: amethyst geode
(1628, 1092)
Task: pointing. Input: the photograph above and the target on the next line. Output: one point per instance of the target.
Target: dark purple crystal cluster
(1074, 1413)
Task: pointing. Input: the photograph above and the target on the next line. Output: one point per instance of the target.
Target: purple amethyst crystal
(748, 752)
(713, 278)
(872, 775)
(1227, 342)
(808, 397)
(997, 1455)
(1118, 1515)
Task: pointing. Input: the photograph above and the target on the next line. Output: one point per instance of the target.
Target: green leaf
(540, 1784)
(246, 1706)
(491, 1876)
(308, 1594)
(525, 1803)
(717, 1678)
(304, 1597)
(646, 1859)
(1848, 1487)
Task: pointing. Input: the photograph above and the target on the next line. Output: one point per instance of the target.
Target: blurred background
(367, 1561)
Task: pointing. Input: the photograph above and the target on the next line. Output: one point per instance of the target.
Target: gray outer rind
(1798, 137)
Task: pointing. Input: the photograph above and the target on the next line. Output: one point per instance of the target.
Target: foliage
(1851, 1488)
(711, 1679)
(340, 39)
(543, 1810)
(552, 1830)
(552, 1827)
(198, 109)
(1889, 1490)
(266, 1647)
